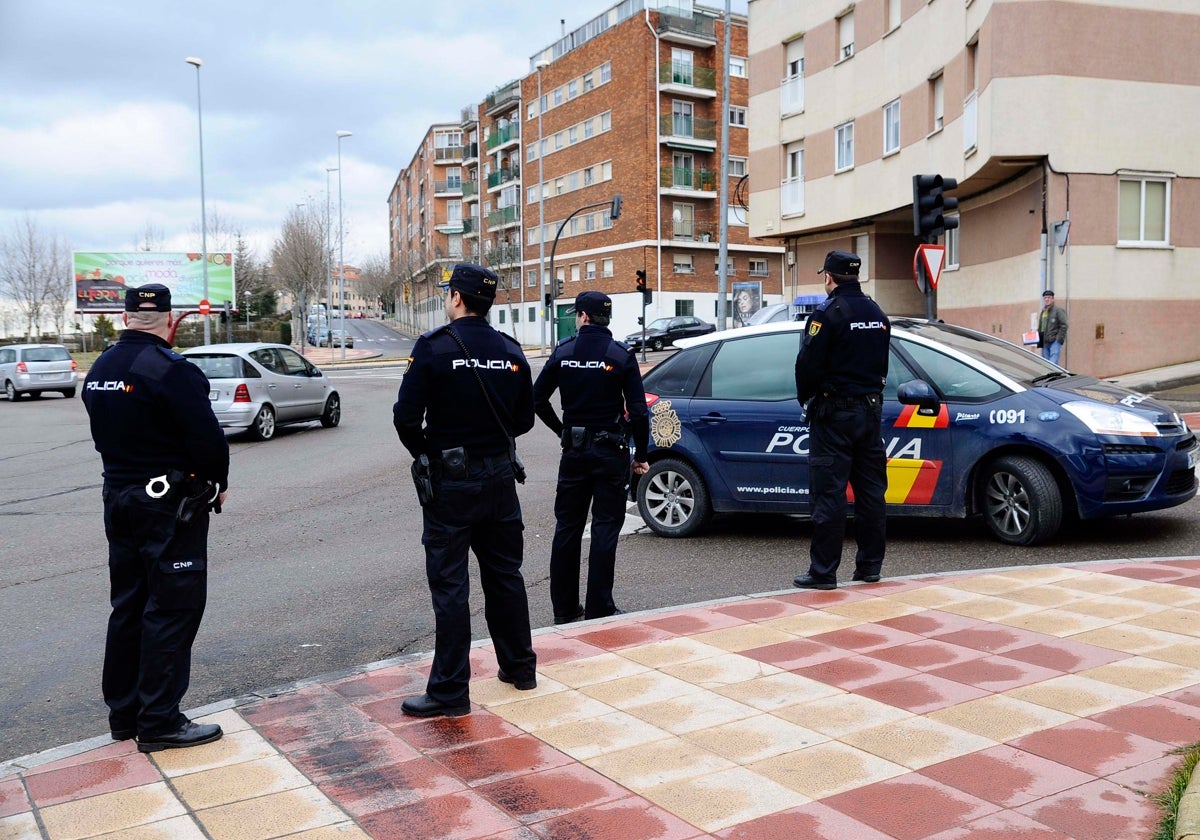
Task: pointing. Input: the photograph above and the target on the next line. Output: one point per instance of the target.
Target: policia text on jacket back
(840, 374)
(166, 464)
(467, 393)
(599, 381)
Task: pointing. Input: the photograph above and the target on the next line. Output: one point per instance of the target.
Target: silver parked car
(34, 368)
(258, 387)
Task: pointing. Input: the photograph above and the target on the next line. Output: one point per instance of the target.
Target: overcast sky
(98, 128)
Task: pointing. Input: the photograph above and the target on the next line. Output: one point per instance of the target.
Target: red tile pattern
(464, 815)
(814, 821)
(1159, 718)
(928, 806)
(386, 682)
(1006, 776)
(617, 636)
(921, 694)
(534, 797)
(761, 609)
(491, 761)
(995, 673)
(934, 623)
(90, 779)
(690, 622)
(1099, 810)
(625, 818)
(1092, 747)
(12, 797)
(1065, 655)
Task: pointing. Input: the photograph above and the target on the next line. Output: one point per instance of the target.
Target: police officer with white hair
(840, 373)
(466, 395)
(166, 465)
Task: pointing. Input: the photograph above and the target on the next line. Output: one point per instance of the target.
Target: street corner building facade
(630, 103)
(1066, 124)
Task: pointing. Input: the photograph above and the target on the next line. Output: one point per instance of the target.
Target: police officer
(467, 393)
(600, 383)
(166, 463)
(840, 373)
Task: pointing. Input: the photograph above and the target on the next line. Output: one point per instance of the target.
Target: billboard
(101, 278)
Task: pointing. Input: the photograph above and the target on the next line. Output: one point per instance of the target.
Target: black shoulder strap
(475, 370)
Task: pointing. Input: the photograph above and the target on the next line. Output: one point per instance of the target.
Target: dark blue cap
(593, 303)
(153, 297)
(472, 279)
(1048, 293)
(841, 262)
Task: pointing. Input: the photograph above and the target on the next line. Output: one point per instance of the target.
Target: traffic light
(641, 321)
(558, 288)
(931, 204)
(615, 211)
(641, 281)
(549, 300)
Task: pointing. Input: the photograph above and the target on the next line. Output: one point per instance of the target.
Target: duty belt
(852, 401)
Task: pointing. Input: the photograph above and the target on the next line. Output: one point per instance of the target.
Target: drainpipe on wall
(657, 166)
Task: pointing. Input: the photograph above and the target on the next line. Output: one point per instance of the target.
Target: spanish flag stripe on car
(910, 419)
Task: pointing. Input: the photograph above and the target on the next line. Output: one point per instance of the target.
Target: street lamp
(196, 62)
(328, 248)
(247, 296)
(341, 246)
(544, 285)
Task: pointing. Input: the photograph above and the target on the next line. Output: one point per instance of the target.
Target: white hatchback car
(35, 368)
(258, 387)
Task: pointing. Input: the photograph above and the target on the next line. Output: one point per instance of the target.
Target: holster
(517, 467)
(194, 495)
(454, 463)
(422, 480)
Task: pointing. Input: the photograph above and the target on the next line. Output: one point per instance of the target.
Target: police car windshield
(1010, 360)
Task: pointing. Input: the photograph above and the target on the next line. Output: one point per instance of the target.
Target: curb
(1187, 815)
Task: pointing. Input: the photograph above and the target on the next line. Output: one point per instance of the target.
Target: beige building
(630, 103)
(1070, 125)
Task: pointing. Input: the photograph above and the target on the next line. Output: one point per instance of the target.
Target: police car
(972, 425)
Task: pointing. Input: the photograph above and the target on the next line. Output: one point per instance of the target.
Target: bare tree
(298, 255)
(378, 281)
(35, 272)
(221, 232)
(150, 237)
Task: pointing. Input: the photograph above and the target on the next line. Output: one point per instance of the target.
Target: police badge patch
(814, 327)
(665, 427)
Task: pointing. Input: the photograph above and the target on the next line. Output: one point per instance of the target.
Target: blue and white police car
(972, 425)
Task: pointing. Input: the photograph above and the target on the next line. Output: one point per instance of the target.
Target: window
(454, 212)
(952, 246)
(845, 36)
(1143, 211)
(685, 308)
(681, 118)
(587, 82)
(531, 277)
(573, 134)
(557, 97)
(589, 270)
(957, 381)
(572, 89)
(589, 129)
(728, 263)
(891, 127)
(737, 167)
(682, 67)
(758, 368)
(845, 146)
(937, 99)
(684, 216)
(737, 116)
(589, 176)
(500, 317)
(795, 58)
(531, 314)
(683, 264)
(758, 268)
(737, 67)
(606, 72)
(893, 14)
(574, 272)
(606, 267)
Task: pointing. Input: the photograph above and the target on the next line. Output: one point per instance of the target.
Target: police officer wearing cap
(166, 464)
(840, 374)
(600, 384)
(467, 393)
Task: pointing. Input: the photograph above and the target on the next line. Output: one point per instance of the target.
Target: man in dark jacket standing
(1052, 328)
(600, 384)
(467, 393)
(840, 374)
(166, 463)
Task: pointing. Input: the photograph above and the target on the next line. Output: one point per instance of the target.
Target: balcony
(448, 154)
(504, 217)
(469, 116)
(470, 190)
(688, 181)
(684, 26)
(449, 225)
(468, 227)
(688, 132)
(791, 95)
(504, 255)
(686, 79)
(451, 186)
(791, 196)
(470, 152)
(503, 97)
(501, 177)
(510, 135)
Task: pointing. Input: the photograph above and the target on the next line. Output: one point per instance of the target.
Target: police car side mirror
(920, 393)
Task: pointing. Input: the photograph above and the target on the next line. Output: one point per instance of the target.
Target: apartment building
(630, 103)
(1069, 126)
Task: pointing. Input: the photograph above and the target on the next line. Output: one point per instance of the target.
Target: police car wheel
(1021, 501)
(672, 499)
(332, 415)
(263, 427)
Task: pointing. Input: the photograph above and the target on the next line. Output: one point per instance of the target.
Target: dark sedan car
(666, 331)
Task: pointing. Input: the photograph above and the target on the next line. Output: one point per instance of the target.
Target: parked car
(32, 369)
(972, 425)
(334, 338)
(258, 387)
(770, 314)
(663, 332)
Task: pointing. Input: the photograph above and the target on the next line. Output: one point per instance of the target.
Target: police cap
(472, 279)
(842, 263)
(593, 303)
(153, 297)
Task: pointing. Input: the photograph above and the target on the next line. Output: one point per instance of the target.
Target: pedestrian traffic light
(641, 321)
(930, 206)
(558, 287)
(641, 280)
(549, 300)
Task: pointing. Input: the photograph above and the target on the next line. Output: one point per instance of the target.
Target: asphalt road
(316, 563)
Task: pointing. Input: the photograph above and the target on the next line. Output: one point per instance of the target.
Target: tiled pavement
(1037, 702)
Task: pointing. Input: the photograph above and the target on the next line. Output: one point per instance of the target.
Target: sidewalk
(1031, 702)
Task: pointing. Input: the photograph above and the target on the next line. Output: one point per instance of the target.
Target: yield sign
(934, 257)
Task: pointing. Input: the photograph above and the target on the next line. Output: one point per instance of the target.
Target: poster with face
(747, 299)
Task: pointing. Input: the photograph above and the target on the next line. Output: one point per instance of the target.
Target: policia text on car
(467, 393)
(166, 464)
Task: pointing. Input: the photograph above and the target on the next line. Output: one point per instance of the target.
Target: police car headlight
(1110, 420)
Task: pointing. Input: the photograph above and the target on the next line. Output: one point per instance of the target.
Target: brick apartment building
(1065, 123)
(630, 104)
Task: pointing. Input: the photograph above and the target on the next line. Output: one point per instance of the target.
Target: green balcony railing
(688, 178)
(470, 150)
(468, 226)
(503, 216)
(501, 176)
(504, 255)
(504, 135)
(470, 189)
(684, 73)
(674, 125)
(687, 24)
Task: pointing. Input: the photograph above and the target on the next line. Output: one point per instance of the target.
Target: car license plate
(1193, 456)
(213, 395)
(49, 377)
